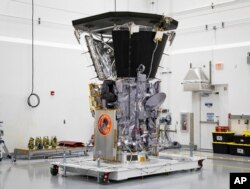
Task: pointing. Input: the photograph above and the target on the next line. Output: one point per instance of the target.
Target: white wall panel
(59, 66)
(228, 46)
(60, 70)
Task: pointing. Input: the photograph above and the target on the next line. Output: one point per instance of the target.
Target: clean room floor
(35, 174)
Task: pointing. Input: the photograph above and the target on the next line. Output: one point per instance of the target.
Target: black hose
(29, 100)
(33, 74)
(152, 59)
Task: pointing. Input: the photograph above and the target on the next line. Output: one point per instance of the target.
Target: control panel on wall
(186, 121)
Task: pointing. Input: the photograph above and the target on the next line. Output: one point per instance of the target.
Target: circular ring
(104, 124)
(29, 102)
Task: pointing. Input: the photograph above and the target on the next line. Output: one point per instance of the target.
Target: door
(214, 111)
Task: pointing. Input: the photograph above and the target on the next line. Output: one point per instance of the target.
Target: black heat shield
(130, 50)
(109, 19)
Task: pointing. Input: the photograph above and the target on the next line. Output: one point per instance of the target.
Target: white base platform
(117, 171)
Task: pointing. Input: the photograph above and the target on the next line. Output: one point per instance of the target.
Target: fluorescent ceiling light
(40, 43)
(210, 48)
(79, 47)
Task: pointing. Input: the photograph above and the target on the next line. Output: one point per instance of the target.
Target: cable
(32, 94)
(154, 171)
(32, 46)
(152, 59)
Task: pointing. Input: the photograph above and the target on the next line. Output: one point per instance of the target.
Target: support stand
(5, 149)
(3, 146)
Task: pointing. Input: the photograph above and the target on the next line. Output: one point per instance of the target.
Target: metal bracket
(212, 5)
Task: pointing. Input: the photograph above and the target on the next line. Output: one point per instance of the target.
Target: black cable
(32, 46)
(29, 100)
(32, 94)
(152, 59)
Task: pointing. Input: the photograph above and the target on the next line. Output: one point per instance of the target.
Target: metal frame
(239, 116)
(233, 116)
(3, 147)
(117, 171)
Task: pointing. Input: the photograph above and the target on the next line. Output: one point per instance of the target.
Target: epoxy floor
(35, 174)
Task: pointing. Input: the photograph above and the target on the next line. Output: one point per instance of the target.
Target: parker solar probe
(126, 49)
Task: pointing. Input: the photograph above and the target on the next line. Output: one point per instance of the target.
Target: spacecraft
(126, 49)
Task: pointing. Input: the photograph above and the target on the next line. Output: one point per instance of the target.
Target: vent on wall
(196, 80)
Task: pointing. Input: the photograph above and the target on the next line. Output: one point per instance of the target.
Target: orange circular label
(104, 124)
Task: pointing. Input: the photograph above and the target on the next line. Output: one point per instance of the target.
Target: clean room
(122, 93)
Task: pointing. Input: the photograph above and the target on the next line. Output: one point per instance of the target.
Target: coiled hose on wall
(32, 94)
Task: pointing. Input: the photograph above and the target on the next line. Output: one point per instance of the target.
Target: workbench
(50, 152)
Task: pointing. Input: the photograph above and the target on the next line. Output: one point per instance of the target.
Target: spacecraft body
(126, 49)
